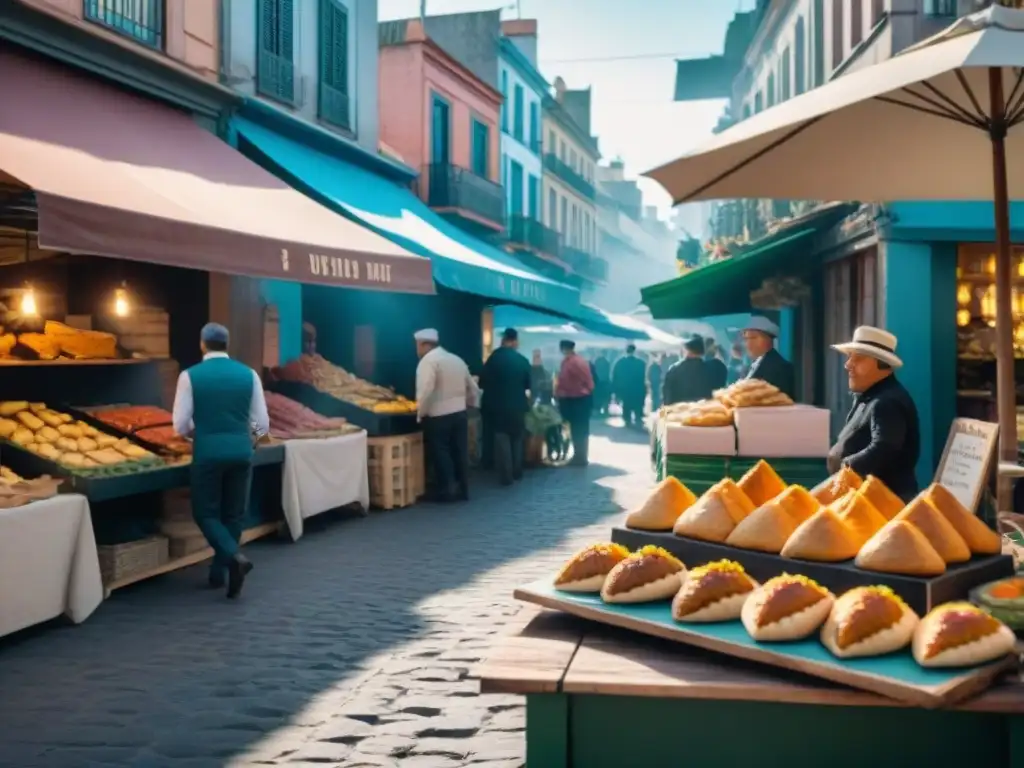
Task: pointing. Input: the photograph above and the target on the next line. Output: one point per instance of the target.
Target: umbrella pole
(1006, 387)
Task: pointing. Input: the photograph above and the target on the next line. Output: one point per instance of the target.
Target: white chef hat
(428, 335)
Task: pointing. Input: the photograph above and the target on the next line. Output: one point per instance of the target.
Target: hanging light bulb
(963, 294)
(963, 317)
(122, 307)
(28, 302)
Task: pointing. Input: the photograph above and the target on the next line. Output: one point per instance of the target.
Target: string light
(28, 302)
(122, 307)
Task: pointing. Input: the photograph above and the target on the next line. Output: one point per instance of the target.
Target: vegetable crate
(396, 470)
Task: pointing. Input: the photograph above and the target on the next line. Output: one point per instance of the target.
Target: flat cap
(214, 332)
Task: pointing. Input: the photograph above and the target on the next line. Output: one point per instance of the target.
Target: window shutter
(285, 16)
(268, 26)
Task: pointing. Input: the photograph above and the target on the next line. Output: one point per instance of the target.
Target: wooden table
(598, 697)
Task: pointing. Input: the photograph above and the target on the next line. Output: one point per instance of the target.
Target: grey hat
(214, 333)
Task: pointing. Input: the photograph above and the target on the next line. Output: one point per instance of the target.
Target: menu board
(967, 459)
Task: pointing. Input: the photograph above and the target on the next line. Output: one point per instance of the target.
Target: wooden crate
(396, 473)
(146, 331)
(121, 561)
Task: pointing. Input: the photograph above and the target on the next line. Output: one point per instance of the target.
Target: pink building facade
(441, 119)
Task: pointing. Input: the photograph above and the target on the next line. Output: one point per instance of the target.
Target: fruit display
(868, 523)
(292, 420)
(72, 444)
(861, 622)
(59, 341)
(335, 381)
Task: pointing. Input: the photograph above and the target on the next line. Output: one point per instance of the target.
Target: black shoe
(238, 569)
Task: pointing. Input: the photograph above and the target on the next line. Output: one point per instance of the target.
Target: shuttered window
(481, 140)
(275, 57)
(333, 97)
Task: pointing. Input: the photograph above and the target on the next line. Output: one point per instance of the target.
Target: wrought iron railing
(564, 171)
(940, 7)
(451, 186)
(140, 20)
(531, 233)
(334, 107)
(584, 264)
(275, 76)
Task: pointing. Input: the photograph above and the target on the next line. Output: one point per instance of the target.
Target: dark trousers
(220, 499)
(576, 411)
(655, 397)
(509, 455)
(633, 410)
(446, 439)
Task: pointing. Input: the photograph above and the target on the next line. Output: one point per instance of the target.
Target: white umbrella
(933, 123)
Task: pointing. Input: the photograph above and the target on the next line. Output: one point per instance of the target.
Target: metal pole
(1006, 389)
(423, 9)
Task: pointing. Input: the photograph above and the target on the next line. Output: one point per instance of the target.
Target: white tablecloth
(48, 563)
(323, 474)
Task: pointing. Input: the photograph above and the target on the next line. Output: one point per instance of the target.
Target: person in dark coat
(630, 386)
(654, 376)
(882, 432)
(602, 371)
(768, 365)
(505, 379)
(718, 374)
(687, 381)
(541, 386)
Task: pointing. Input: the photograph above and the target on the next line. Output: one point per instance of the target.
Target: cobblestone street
(354, 647)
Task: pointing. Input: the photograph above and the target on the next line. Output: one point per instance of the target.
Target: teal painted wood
(618, 731)
(944, 332)
(547, 730)
(953, 221)
(897, 667)
(333, 101)
(287, 297)
(275, 53)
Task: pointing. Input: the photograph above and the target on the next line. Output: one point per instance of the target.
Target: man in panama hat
(882, 432)
(768, 365)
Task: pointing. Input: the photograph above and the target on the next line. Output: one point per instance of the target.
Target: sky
(625, 50)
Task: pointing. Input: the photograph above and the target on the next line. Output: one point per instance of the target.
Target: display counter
(597, 697)
(323, 474)
(48, 563)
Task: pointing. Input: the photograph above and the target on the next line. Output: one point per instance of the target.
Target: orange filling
(709, 587)
(868, 615)
(786, 598)
(636, 571)
(960, 626)
(593, 561)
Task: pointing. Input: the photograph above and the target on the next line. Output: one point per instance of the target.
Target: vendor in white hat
(767, 364)
(882, 432)
(444, 390)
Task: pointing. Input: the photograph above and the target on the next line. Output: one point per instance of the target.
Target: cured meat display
(134, 417)
(290, 419)
(166, 439)
(335, 381)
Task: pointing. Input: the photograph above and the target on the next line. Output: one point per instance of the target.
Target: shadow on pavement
(166, 672)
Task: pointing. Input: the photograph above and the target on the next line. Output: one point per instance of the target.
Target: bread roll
(711, 518)
(868, 621)
(900, 548)
(761, 483)
(823, 537)
(588, 568)
(663, 507)
(713, 592)
(960, 635)
(787, 607)
(981, 539)
(766, 529)
(884, 500)
(649, 574)
(937, 529)
(837, 486)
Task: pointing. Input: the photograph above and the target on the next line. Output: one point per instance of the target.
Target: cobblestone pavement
(354, 647)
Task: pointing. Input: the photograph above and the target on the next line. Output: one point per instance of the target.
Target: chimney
(559, 86)
(523, 34)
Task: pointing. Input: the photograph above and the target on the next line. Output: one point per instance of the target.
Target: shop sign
(338, 269)
(519, 289)
(966, 460)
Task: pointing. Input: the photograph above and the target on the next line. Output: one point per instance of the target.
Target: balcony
(139, 20)
(585, 265)
(529, 234)
(940, 7)
(562, 170)
(334, 108)
(459, 191)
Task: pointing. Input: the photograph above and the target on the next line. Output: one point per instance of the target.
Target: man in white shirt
(444, 390)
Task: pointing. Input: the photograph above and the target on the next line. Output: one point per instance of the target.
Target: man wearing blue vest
(220, 404)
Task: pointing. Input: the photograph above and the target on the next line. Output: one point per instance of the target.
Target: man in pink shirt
(574, 393)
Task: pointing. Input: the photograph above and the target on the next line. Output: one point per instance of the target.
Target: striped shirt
(443, 384)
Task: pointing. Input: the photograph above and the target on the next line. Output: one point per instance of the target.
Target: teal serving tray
(896, 675)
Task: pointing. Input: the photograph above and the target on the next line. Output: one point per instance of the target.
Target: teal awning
(460, 261)
(586, 318)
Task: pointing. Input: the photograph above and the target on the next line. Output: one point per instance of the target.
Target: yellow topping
(607, 548)
(652, 550)
(723, 566)
(884, 591)
(790, 578)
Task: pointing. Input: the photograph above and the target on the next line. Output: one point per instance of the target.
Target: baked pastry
(761, 483)
(651, 573)
(712, 517)
(860, 517)
(663, 507)
(751, 393)
(868, 621)
(960, 635)
(744, 506)
(884, 500)
(766, 529)
(822, 537)
(713, 592)
(705, 413)
(938, 530)
(787, 607)
(837, 486)
(981, 539)
(798, 501)
(588, 568)
(900, 548)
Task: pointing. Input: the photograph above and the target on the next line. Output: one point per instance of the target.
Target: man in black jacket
(768, 365)
(505, 379)
(882, 433)
(630, 386)
(687, 381)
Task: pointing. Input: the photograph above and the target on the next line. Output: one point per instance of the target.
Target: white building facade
(523, 88)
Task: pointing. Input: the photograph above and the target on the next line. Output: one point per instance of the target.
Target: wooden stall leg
(547, 730)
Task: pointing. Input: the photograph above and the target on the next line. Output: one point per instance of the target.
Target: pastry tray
(921, 594)
(895, 675)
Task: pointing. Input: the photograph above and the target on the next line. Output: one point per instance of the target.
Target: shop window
(771, 89)
(533, 197)
(275, 56)
(851, 299)
(332, 96)
(553, 209)
(534, 127)
(141, 20)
